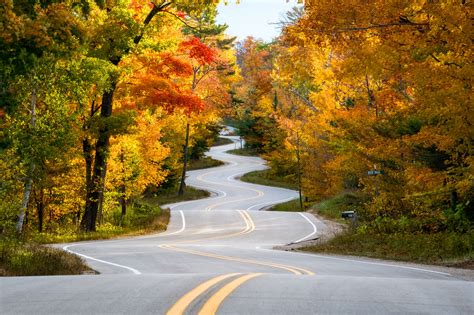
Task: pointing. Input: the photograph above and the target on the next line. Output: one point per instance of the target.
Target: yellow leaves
(264, 107)
(422, 179)
(136, 159)
(68, 189)
(429, 136)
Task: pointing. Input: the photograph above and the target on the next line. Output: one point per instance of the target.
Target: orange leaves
(393, 89)
(168, 80)
(162, 80)
(140, 8)
(169, 66)
(138, 5)
(199, 51)
(173, 99)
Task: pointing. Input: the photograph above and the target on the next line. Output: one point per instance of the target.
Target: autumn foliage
(376, 98)
(95, 98)
(98, 99)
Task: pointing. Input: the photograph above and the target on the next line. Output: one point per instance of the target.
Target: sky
(253, 17)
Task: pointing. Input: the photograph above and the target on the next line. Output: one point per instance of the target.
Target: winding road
(217, 257)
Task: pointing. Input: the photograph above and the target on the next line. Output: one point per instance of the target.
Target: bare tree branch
(303, 98)
(180, 19)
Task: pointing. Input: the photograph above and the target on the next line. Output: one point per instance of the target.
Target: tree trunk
(88, 158)
(40, 208)
(31, 169)
(182, 185)
(123, 201)
(298, 159)
(122, 187)
(101, 196)
(95, 188)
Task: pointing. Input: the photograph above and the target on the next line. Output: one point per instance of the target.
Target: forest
(104, 105)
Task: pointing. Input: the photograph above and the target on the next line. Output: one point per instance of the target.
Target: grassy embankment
(400, 239)
(384, 240)
(27, 256)
(208, 162)
(266, 178)
(244, 152)
(205, 162)
(30, 259)
(222, 141)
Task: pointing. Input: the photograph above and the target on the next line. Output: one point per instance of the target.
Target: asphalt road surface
(217, 257)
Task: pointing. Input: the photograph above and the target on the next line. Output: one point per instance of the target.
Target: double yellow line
(294, 270)
(212, 304)
(249, 228)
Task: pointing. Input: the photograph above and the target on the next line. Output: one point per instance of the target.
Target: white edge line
(365, 262)
(386, 265)
(309, 235)
(182, 227)
(270, 203)
(135, 271)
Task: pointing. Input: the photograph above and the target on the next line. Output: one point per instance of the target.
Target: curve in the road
(222, 261)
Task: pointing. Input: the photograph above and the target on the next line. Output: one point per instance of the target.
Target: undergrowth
(205, 162)
(28, 259)
(443, 248)
(244, 152)
(266, 178)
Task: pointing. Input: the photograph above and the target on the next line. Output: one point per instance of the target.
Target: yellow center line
(182, 304)
(292, 269)
(211, 306)
(249, 227)
(249, 219)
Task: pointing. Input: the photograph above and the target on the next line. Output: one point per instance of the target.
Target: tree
(202, 57)
(33, 38)
(113, 41)
(388, 82)
(136, 159)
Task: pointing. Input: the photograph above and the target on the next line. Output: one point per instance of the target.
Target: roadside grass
(27, 259)
(171, 196)
(333, 207)
(142, 217)
(30, 257)
(222, 141)
(205, 162)
(244, 152)
(291, 206)
(443, 248)
(266, 178)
